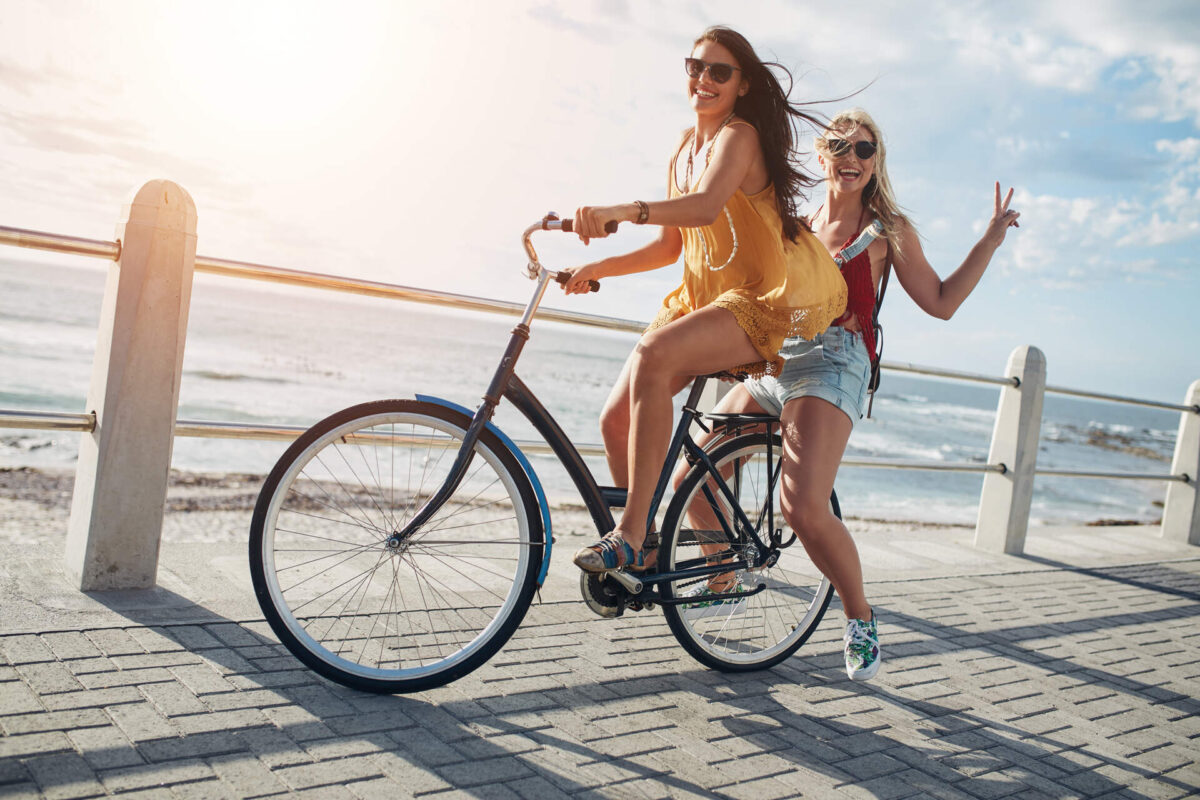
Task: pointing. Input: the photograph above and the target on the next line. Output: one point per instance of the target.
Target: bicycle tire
(762, 630)
(421, 613)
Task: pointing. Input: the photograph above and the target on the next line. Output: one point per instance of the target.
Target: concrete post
(121, 478)
(1181, 512)
(1006, 498)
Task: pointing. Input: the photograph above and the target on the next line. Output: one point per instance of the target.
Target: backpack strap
(877, 356)
(864, 240)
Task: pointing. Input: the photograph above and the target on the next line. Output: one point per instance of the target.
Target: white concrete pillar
(1006, 497)
(121, 478)
(1181, 512)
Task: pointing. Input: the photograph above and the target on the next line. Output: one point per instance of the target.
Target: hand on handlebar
(579, 280)
(597, 222)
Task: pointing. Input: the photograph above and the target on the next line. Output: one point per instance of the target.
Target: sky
(412, 143)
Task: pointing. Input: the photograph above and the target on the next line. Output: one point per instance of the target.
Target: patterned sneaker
(862, 649)
(716, 606)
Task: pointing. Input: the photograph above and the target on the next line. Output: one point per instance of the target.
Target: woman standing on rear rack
(753, 273)
(820, 392)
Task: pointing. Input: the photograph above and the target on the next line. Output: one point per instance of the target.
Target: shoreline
(50, 488)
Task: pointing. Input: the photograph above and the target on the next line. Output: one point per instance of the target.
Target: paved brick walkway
(1052, 683)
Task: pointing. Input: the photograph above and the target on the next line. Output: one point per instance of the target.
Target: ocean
(264, 354)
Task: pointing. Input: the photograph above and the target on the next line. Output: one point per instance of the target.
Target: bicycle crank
(603, 594)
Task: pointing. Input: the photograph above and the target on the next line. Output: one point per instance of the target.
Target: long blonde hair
(878, 197)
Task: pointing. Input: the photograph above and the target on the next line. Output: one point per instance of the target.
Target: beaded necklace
(688, 188)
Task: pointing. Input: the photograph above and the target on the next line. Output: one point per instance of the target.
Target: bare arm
(941, 298)
(734, 153)
(664, 250)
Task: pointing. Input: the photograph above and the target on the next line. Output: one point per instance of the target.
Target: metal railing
(39, 420)
(149, 306)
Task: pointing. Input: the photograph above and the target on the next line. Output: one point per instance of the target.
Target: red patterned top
(860, 303)
(856, 270)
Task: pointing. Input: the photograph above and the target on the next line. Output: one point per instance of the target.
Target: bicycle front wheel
(747, 633)
(358, 605)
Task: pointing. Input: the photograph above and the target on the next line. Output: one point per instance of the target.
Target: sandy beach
(35, 505)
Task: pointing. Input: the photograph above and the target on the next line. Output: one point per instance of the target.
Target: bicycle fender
(543, 505)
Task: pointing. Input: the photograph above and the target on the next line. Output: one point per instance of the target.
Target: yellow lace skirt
(766, 326)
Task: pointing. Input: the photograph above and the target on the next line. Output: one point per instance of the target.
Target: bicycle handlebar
(551, 222)
(561, 277)
(568, 226)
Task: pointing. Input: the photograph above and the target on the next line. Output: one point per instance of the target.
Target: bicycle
(396, 545)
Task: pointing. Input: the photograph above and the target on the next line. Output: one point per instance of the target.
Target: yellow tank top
(775, 288)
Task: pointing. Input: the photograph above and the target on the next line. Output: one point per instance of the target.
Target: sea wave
(216, 375)
(1117, 438)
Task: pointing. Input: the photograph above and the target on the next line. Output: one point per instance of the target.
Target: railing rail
(52, 242)
(1116, 398)
(85, 423)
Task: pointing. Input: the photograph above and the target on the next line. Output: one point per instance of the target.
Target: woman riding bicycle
(820, 392)
(753, 273)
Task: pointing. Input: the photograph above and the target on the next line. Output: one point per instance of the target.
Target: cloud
(1080, 242)
(26, 80)
(1059, 154)
(1152, 48)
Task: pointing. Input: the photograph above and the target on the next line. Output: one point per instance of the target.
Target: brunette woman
(753, 274)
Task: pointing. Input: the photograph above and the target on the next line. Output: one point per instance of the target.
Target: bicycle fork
(483, 415)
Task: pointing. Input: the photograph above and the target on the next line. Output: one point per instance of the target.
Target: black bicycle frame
(598, 500)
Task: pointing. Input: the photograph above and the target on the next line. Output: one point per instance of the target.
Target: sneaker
(862, 649)
(716, 605)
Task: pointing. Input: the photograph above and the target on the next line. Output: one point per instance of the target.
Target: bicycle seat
(725, 375)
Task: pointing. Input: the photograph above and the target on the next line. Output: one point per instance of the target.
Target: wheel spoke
(374, 611)
(765, 627)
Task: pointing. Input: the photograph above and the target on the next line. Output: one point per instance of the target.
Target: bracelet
(643, 212)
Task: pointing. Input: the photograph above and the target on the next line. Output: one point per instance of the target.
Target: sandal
(613, 553)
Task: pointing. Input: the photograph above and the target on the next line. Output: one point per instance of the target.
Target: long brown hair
(766, 106)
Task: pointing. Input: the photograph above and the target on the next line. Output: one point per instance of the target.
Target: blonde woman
(819, 394)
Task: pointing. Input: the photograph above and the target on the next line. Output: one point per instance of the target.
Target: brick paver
(1061, 683)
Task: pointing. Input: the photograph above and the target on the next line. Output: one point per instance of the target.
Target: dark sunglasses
(840, 147)
(718, 72)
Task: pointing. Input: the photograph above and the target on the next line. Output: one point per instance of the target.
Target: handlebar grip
(561, 277)
(568, 225)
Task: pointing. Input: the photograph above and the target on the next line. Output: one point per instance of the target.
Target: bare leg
(704, 341)
(615, 424)
(700, 515)
(614, 427)
(815, 434)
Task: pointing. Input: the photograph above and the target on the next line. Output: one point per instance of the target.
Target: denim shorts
(833, 366)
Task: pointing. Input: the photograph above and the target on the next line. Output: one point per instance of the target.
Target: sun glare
(266, 66)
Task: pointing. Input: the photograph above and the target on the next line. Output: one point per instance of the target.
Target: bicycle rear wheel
(761, 630)
(391, 616)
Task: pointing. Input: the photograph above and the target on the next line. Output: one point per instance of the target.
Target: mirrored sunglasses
(840, 147)
(720, 73)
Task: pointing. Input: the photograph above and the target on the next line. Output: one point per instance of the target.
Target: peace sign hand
(1002, 219)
